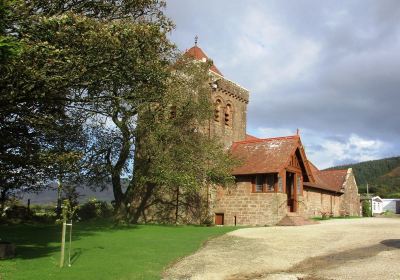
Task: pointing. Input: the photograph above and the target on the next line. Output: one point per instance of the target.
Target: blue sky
(329, 68)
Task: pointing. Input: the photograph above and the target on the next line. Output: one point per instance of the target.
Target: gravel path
(367, 248)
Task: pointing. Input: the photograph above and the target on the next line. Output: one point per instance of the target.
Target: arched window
(228, 115)
(172, 112)
(217, 110)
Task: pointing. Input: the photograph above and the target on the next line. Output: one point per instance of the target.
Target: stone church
(276, 183)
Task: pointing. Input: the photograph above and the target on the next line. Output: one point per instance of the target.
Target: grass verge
(100, 250)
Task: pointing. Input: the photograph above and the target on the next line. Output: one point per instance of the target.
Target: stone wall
(237, 98)
(269, 208)
(350, 200)
(319, 201)
(249, 208)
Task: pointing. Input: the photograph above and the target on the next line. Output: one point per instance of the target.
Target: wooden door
(398, 207)
(291, 192)
(219, 219)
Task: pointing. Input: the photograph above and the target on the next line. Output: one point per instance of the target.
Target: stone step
(290, 220)
(293, 214)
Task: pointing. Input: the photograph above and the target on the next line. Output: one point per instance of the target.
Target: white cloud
(327, 152)
(269, 132)
(270, 51)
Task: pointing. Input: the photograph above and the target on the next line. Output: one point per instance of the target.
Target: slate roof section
(198, 54)
(330, 180)
(264, 155)
(335, 178)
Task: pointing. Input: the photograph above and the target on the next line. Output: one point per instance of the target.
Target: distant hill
(49, 196)
(382, 176)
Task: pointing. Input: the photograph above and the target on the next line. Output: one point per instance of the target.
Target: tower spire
(196, 38)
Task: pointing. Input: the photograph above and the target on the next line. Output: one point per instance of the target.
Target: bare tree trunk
(59, 190)
(117, 168)
(177, 205)
(2, 200)
(119, 197)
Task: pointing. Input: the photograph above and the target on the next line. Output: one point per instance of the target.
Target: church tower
(230, 103)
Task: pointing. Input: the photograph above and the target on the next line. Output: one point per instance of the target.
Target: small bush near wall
(389, 213)
(16, 213)
(366, 208)
(94, 209)
(326, 215)
(44, 214)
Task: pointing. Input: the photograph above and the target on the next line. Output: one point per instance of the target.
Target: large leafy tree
(87, 97)
(79, 60)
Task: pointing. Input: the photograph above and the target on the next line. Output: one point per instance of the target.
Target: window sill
(265, 192)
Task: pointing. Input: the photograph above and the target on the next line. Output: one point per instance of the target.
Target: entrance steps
(294, 219)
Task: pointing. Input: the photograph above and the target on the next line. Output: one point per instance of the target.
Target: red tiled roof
(264, 155)
(335, 178)
(331, 180)
(250, 137)
(198, 54)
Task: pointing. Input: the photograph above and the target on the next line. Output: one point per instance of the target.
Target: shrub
(388, 213)
(94, 209)
(366, 208)
(18, 212)
(43, 214)
(325, 215)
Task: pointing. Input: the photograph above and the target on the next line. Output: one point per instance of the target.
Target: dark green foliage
(18, 213)
(15, 213)
(366, 208)
(88, 98)
(77, 60)
(9, 46)
(94, 209)
(382, 176)
(43, 214)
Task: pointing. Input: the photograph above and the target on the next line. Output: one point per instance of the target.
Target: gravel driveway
(367, 248)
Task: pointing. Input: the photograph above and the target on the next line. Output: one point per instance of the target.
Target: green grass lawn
(100, 250)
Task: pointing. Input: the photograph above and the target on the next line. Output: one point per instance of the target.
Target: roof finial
(195, 40)
(298, 132)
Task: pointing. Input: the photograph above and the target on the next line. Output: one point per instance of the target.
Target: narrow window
(228, 115)
(172, 112)
(259, 183)
(217, 110)
(270, 182)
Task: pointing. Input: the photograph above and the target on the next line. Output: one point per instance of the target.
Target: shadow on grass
(36, 241)
(75, 256)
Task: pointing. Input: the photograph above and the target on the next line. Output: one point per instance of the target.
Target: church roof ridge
(258, 140)
(334, 170)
